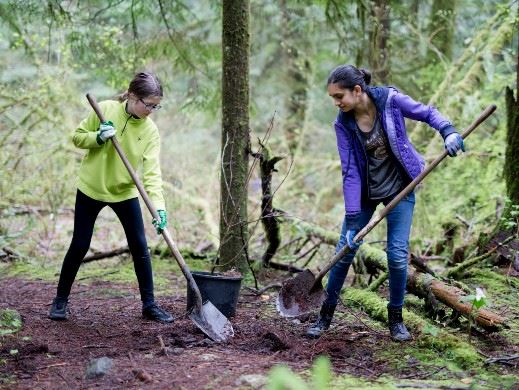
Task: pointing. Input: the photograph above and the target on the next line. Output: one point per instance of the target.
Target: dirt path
(55, 354)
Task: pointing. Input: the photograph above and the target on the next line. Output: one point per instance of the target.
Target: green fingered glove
(160, 224)
(106, 130)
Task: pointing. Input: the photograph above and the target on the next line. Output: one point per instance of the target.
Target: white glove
(106, 131)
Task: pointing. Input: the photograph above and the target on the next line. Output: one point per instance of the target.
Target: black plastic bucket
(221, 290)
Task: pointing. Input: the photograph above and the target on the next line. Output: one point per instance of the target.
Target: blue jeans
(398, 229)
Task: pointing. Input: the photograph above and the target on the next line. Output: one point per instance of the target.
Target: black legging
(129, 213)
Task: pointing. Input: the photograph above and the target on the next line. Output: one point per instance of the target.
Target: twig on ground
(314, 247)
(502, 359)
(362, 322)
(163, 348)
(420, 377)
(97, 276)
(311, 257)
(263, 289)
(284, 267)
(456, 271)
(53, 365)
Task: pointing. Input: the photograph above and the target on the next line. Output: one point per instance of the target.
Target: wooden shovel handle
(410, 187)
(165, 232)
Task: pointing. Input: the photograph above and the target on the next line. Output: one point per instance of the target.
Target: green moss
(116, 270)
(502, 293)
(494, 282)
(451, 346)
(10, 322)
(351, 382)
(31, 269)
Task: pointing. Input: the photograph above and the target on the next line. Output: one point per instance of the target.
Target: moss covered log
(463, 353)
(425, 286)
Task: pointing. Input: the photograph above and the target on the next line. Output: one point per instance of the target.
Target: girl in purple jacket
(377, 161)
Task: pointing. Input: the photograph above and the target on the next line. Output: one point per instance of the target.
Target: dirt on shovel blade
(212, 322)
(296, 298)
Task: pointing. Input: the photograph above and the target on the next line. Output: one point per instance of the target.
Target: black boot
(155, 313)
(322, 323)
(397, 328)
(58, 310)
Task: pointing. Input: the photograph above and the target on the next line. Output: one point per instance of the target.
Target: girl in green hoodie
(104, 181)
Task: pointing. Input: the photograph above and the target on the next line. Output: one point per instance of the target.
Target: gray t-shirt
(384, 179)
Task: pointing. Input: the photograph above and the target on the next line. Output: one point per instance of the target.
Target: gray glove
(454, 143)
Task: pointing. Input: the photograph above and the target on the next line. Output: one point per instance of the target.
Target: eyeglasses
(150, 106)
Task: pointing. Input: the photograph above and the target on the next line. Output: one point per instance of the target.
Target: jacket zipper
(124, 127)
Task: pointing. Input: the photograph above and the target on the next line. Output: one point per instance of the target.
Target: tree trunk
(235, 135)
(379, 37)
(441, 29)
(360, 52)
(297, 69)
(511, 172)
(508, 225)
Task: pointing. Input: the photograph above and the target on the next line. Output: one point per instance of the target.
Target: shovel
(205, 315)
(304, 292)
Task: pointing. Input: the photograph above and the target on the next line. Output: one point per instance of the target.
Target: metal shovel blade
(212, 322)
(298, 295)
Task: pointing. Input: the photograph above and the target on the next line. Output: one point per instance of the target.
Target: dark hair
(144, 84)
(348, 76)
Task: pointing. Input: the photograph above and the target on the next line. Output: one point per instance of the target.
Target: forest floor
(105, 321)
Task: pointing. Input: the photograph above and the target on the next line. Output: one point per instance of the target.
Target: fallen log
(310, 230)
(105, 255)
(462, 267)
(9, 254)
(285, 267)
(420, 284)
(425, 285)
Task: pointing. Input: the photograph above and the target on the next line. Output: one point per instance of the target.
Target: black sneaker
(155, 313)
(58, 309)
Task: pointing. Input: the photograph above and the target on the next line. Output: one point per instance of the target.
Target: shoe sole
(57, 318)
(157, 320)
(401, 340)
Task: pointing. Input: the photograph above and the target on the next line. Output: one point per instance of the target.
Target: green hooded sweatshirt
(102, 175)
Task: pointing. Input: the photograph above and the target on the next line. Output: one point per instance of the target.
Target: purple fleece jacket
(393, 107)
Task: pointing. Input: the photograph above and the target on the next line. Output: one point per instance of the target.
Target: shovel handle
(410, 187)
(165, 232)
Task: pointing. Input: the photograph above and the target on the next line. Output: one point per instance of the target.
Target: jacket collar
(129, 117)
(379, 97)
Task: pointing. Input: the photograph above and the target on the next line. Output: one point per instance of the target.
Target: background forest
(458, 55)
